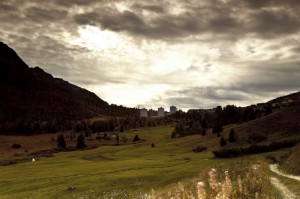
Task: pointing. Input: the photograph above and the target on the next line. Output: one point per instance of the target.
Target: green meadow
(125, 171)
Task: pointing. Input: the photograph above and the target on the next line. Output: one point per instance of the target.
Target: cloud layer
(193, 54)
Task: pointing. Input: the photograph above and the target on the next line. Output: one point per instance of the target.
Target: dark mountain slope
(280, 124)
(32, 95)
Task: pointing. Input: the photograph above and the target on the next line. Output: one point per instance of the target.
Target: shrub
(232, 137)
(199, 149)
(136, 138)
(80, 142)
(254, 149)
(16, 146)
(217, 128)
(223, 141)
(61, 143)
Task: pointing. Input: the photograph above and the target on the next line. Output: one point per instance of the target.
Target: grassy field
(125, 171)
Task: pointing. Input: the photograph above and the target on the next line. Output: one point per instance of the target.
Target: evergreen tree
(80, 142)
(173, 135)
(232, 136)
(217, 128)
(204, 132)
(136, 138)
(118, 139)
(61, 143)
(223, 141)
(268, 109)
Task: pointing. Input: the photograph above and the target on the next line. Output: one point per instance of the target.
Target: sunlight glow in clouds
(130, 94)
(95, 39)
(162, 52)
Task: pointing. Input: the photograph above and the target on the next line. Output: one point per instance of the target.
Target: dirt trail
(285, 192)
(274, 168)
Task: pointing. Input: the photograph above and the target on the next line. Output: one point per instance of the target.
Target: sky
(157, 53)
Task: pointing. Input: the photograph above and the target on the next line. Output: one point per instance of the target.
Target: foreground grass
(125, 171)
(246, 179)
(290, 161)
(129, 169)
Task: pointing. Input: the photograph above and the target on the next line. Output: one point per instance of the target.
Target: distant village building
(173, 109)
(143, 112)
(161, 112)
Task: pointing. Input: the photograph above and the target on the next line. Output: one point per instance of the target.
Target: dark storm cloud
(90, 18)
(69, 3)
(260, 4)
(5, 6)
(152, 8)
(40, 15)
(272, 23)
(218, 18)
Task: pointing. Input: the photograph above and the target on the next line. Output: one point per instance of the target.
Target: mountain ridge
(31, 94)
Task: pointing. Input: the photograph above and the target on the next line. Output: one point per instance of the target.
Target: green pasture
(124, 171)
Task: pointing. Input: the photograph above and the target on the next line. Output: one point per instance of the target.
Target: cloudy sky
(188, 53)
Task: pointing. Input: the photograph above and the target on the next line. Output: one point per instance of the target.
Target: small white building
(143, 112)
(161, 112)
(173, 109)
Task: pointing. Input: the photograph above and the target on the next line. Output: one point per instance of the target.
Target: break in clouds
(193, 54)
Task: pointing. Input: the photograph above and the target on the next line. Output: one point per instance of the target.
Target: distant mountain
(32, 97)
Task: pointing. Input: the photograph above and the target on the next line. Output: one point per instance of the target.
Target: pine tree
(136, 138)
(223, 141)
(80, 142)
(232, 136)
(118, 139)
(61, 143)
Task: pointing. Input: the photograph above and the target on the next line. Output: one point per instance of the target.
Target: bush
(232, 137)
(61, 143)
(254, 149)
(223, 141)
(136, 138)
(199, 149)
(80, 142)
(217, 128)
(16, 146)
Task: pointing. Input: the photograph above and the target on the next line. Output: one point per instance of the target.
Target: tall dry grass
(244, 181)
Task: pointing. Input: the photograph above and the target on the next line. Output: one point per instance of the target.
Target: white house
(161, 112)
(143, 112)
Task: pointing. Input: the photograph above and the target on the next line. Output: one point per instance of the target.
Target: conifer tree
(80, 142)
(61, 143)
(223, 141)
(232, 136)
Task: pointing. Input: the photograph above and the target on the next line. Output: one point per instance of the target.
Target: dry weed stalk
(212, 180)
(201, 193)
(226, 186)
(239, 183)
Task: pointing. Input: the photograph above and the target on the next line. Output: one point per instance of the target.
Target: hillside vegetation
(127, 171)
(290, 162)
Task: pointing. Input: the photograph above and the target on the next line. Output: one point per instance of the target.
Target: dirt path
(274, 168)
(285, 192)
